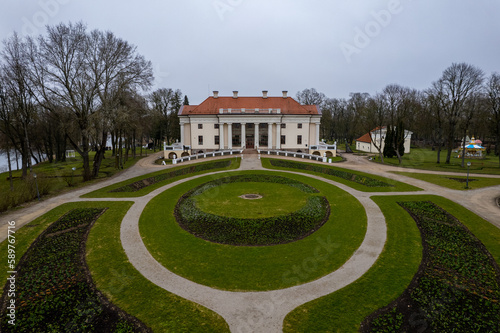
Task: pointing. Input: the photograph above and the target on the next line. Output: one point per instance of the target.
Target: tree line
(71, 88)
(462, 102)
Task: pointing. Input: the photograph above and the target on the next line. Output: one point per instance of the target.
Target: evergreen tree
(389, 143)
(186, 100)
(399, 139)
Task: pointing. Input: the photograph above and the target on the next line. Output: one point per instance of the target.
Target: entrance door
(250, 141)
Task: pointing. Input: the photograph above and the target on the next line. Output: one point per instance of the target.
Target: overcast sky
(336, 47)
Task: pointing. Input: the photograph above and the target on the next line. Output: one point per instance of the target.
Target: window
(283, 140)
(283, 125)
(216, 140)
(216, 126)
(299, 139)
(200, 140)
(299, 125)
(200, 126)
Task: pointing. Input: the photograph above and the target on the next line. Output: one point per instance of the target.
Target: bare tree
(311, 97)
(19, 98)
(493, 106)
(82, 73)
(372, 118)
(457, 84)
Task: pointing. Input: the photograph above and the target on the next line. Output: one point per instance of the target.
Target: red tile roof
(286, 105)
(366, 137)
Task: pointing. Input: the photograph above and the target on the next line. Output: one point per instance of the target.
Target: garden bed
(54, 289)
(273, 230)
(143, 183)
(456, 288)
(349, 176)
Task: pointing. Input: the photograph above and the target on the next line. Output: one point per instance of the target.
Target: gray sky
(337, 47)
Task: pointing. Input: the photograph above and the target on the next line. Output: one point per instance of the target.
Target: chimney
(285, 94)
(235, 94)
(264, 93)
(216, 94)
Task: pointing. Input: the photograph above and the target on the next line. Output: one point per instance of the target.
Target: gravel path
(263, 311)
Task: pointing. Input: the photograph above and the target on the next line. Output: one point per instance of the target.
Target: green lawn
(395, 185)
(277, 199)
(253, 267)
(453, 182)
(53, 178)
(344, 310)
(424, 158)
(105, 191)
(117, 278)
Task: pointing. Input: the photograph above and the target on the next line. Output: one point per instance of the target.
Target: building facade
(365, 143)
(234, 122)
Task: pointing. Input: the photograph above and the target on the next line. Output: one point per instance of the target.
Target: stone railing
(295, 154)
(205, 155)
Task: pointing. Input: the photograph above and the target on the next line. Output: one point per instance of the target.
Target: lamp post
(36, 183)
(72, 173)
(467, 181)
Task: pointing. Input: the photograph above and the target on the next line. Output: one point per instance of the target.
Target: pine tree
(389, 143)
(186, 100)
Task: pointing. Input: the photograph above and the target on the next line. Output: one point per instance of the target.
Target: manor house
(234, 122)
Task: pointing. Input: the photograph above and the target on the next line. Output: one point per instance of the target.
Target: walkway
(254, 311)
(261, 311)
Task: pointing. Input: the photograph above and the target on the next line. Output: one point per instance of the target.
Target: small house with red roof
(377, 135)
(236, 122)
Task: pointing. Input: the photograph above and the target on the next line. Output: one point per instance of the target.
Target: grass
(425, 159)
(118, 279)
(256, 268)
(454, 184)
(344, 310)
(53, 178)
(396, 186)
(105, 191)
(277, 199)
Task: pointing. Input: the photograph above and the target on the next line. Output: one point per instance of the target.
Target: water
(4, 164)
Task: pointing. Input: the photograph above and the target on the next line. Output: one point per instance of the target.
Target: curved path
(263, 311)
(254, 311)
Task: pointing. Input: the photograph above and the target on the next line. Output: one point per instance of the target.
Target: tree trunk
(99, 155)
(463, 149)
(11, 182)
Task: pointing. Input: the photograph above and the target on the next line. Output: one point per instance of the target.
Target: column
(256, 135)
(243, 135)
(221, 136)
(270, 136)
(229, 136)
(182, 134)
(317, 133)
(278, 136)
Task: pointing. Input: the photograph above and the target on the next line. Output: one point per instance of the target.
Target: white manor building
(232, 123)
(377, 135)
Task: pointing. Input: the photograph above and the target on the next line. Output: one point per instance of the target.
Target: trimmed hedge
(363, 180)
(256, 232)
(140, 184)
(54, 289)
(457, 287)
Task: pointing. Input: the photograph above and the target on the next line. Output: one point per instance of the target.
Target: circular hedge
(272, 230)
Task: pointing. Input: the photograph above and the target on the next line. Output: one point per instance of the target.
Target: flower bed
(138, 185)
(363, 180)
(54, 289)
(457, 287)
(252, 231)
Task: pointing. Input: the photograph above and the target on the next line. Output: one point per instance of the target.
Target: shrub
(363, 180)
(457, 287)
(252, 231)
